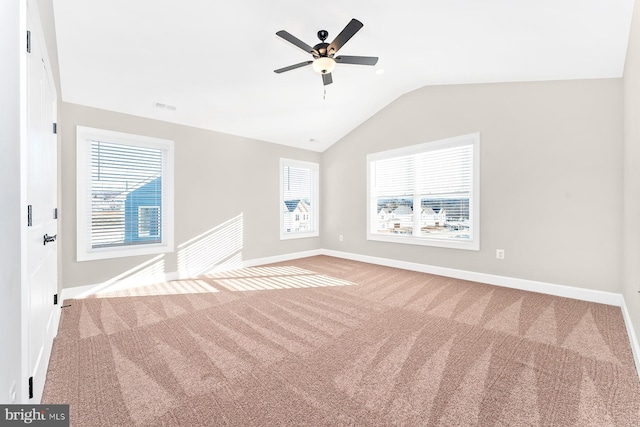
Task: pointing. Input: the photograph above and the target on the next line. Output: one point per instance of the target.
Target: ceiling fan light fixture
(324, 65)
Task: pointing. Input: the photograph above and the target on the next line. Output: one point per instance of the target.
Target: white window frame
(315, 199)
(84, 136)
(473, 243)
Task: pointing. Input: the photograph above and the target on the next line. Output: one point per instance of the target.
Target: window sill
(472, 245)
(299, 235)
(121, 252)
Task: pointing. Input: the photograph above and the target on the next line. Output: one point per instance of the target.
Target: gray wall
(551, 178)
(217, 178)
(631, 218)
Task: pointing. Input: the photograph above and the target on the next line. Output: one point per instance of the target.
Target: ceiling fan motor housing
(321, 48)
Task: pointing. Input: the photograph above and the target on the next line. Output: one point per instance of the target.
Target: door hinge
(30, 387)
(29, 216)
(28, 41)
(55, 299)
(55, 213)
(55, 128)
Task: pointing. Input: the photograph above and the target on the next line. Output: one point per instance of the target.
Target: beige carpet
(322, 341)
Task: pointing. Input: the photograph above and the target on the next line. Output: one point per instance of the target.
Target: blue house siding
(142, 213)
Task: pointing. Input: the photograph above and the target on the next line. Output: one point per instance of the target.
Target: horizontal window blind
(439, 172)
(296, 182)
(444, 172)
(125, 194)
(394, 176)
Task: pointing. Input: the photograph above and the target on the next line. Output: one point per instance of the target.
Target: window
(125, 194)
(298, 199)
(149, 221)
(426, 194)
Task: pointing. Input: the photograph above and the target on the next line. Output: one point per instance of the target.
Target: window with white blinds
(298, 199)
(426, 194)
(125, 194)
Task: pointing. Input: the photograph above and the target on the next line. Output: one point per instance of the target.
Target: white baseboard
(281, 258)
(78, 292)
(633, 338)
(591, 295)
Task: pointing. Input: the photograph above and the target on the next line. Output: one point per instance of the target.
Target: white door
(42, 200)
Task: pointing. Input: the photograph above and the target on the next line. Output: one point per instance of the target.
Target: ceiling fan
(324, 59)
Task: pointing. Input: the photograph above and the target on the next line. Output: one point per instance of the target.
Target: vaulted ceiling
(213, 60)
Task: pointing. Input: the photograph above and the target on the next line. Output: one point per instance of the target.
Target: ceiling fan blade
(327, 79)
(349, 31)
(359, 60)
(292, 67)
(296, 41)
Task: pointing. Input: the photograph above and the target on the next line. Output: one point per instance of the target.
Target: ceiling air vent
(162, 106)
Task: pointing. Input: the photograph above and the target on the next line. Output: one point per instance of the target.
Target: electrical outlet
(340, 238)
(500, 253)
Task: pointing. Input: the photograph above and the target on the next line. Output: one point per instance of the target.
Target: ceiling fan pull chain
(324, 97)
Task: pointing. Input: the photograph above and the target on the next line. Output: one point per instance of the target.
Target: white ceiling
(214, 60)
